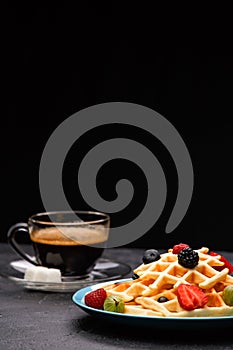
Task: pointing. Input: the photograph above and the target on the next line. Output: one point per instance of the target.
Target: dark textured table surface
(46, 320)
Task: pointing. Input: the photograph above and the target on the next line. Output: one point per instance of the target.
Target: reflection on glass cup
(63, 242)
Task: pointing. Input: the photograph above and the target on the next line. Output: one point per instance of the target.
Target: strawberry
(191, 297)
(96, 298)
(225, 261)
(178, 247)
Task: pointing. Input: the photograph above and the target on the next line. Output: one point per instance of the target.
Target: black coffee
(54, 250)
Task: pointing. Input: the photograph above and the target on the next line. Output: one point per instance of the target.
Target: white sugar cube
(42, 274)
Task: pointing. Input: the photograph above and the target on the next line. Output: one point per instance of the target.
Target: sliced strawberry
(178, 247)
(96, 298)
(191, 297)
(225, 261)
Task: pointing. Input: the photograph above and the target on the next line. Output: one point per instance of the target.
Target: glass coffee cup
(69, 241)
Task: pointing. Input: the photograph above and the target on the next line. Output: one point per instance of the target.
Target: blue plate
(149, 321)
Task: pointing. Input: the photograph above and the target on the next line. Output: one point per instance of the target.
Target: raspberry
(226, 263)
(188, 258)
(178, 247)
(191, 297)
(96, 298)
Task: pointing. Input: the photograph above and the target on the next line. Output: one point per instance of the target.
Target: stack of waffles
(162, 278)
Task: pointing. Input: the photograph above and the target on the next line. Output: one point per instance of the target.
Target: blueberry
(135, 276)
(162, 300)
(150, 255)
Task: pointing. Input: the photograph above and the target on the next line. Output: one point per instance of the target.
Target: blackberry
(188, 258)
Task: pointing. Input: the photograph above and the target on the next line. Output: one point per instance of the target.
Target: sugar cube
(42, 274)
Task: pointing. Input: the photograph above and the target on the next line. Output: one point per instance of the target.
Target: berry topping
(178, 247)
(96, 298)
(191, 297)
(226, 263)
(114, 303)
(135, 276)
(227, 295)
(150, 256)
(162, 300)
(188, 258)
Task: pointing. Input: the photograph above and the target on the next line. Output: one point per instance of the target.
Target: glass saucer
(104, 270)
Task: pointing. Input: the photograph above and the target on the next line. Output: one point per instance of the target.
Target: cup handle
(11, 234)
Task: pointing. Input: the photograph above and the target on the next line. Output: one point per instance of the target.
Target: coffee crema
(69, 235)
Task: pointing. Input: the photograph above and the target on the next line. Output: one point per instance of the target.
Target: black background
(59, 60)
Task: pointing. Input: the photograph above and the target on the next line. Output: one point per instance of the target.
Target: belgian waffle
(162, 278)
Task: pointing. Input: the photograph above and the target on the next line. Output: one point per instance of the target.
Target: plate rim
(78, 296)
